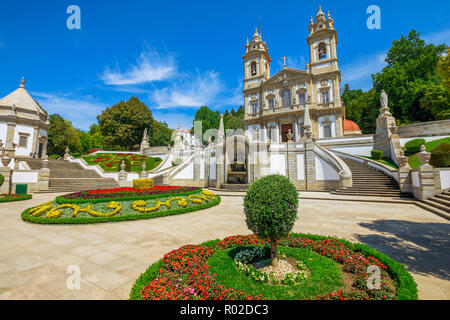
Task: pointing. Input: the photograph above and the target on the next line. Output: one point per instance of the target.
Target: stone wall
(424, 129)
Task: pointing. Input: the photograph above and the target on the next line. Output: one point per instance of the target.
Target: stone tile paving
(34, 258)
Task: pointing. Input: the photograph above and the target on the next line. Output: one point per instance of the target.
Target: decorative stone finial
(312, 20)
(423, 155)
(329, 15)
(22, 83)
(320, 13)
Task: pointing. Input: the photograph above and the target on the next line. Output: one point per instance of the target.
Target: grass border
(24, 197)
(405, 283)
(62, 200)
(128, 217)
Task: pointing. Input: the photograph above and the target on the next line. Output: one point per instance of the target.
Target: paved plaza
(34, 258)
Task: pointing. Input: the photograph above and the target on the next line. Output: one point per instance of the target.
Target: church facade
(275, 105)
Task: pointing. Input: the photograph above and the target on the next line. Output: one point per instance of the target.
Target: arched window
(286, 98)
(253, 68)
(322, 51)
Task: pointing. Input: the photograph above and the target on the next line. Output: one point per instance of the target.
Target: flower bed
(14, 197)
(111, 161)
(189, 273)
(113, 209)
(125, 194)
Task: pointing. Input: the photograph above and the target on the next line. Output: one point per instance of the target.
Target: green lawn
(414, 161)
(385, 161)
(110, 162)
(325, 277)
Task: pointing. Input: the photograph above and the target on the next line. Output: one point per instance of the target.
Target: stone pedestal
(426, 177)
(6, 172)
(123, 175)
(404, 179)
(43, 179)
(310, 165)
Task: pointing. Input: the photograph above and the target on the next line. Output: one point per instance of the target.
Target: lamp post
(289, 136)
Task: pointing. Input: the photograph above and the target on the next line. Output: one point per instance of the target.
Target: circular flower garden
(334, 269)
(274, 263)
(111, 205)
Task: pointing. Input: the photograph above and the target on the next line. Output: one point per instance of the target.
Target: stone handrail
(345, 174)
(391, 172)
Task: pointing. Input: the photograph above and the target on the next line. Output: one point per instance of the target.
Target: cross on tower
(284, 60)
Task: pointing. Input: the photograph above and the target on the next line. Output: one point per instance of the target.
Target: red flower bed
(185, 273)
(128, 189)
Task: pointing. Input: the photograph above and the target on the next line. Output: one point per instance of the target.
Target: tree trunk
(274, 253)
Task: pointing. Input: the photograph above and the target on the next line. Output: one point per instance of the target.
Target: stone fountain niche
(237, 166)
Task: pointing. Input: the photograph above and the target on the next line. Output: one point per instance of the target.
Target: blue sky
(179, 55)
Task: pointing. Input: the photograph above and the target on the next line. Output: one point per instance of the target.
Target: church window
(286, 98)
(271, 103)
(254, 107)
(253, 69)
(301, 98)
(23, 141)
(327, 130)
(325, 98)
(322, 51)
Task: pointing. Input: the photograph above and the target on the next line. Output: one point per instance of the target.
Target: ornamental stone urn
(122, 166)
(424, 156)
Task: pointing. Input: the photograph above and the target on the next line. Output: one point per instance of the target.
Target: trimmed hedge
(440, 156)
(21, 198)
(62, 200)
(377, 154)
(413, 146)
(143, 184)
(128, 217)
(405, 285)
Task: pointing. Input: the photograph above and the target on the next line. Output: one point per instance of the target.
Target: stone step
(443, 196)
(445, 202)
(373, 194)
(433, 209)
(440, 206)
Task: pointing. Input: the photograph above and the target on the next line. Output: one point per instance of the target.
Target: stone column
(220, 165)
(310, 166)
(426, 176)
(291, 161)
(11, 127)
(43, 176)
(404, 173)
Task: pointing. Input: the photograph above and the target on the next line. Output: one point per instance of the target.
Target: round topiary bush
(377, 154)
(270, 207)
(413, 146)
(440, 156)
(2, 179)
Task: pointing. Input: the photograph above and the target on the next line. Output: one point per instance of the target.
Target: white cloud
(82, 112)
(359, 71)
(438, 38)
(189, 91)
(150, 66)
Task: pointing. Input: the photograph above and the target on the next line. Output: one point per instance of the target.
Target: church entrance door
(284, 131)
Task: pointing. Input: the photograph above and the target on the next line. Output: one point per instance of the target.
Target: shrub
(377, 154)
(55, 156)
(270, 207)
(413, 146)
(127, 165)
(440, 156)
(2, 179)
(142, 184)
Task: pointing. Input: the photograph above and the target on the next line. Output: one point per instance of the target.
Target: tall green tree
(162, 134)
(210, 119)
(123, 124)
(62, 134)
(411, 79)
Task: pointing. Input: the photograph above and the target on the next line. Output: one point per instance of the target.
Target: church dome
(351, 128)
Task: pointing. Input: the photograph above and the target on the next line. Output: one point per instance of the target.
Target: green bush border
(128, 217)
(22, 198)
(405, 284)
(62, 200)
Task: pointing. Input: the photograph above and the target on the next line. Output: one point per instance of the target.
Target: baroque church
(275, 105)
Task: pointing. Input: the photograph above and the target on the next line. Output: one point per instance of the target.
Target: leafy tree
(411, 79)
(210, 119)
(62, 134)
(162, 134)
(444, 69)
(123, 124)
(270, 208)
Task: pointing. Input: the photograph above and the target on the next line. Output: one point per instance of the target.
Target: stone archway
(236, 160)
